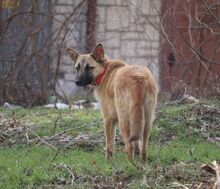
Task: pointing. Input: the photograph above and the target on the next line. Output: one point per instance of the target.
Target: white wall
(128, 29)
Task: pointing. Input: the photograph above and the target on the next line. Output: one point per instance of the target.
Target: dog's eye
(88, 67)
(78, 67)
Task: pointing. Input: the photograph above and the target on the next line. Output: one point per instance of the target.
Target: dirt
(178, 176)
(199, 120)
(208, 122)
(117, 180)
(13, 132)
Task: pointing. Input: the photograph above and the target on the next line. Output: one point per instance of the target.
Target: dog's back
(136, 93)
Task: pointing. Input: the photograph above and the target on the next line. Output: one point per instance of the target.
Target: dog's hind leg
(136, 147)
(149, 116)
(125, 132)
(144, 141)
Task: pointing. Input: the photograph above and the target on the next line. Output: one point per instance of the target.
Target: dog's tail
(137, 122)
(136, 113)
(141, 115)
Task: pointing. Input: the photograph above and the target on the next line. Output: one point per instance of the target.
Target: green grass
(174, 140)
(38, 167)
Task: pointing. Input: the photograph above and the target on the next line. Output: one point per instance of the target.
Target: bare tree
(191, 37)
(31, 50)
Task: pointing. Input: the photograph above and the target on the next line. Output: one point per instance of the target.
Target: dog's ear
(72, 53)
(98, 53)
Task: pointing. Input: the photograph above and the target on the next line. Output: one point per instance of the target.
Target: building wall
(127, 29)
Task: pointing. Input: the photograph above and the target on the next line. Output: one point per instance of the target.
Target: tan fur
(127, 95)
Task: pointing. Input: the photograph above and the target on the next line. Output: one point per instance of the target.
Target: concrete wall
(127, 29)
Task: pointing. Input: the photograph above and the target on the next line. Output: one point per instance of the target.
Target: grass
(176, 140)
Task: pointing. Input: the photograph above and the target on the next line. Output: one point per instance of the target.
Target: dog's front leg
(110, 136)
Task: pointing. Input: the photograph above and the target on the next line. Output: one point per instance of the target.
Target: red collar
(101, 75)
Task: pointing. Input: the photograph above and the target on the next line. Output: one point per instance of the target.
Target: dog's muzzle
(77, 82)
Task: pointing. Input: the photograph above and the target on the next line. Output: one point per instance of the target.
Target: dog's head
(87, 66)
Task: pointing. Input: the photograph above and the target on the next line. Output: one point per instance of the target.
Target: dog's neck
(101, 75)
(106, 85)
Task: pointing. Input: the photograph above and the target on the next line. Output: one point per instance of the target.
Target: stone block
(117, 18)
(140, 61)
(100, 28)
(69, 77)
(116, 53)
(131, 35)
(110, 2)
(66, 2)
(141, 52)
(128, 49)
(66, 60)
(151, 33)
(101, 14)
(68, 87)
(155, 7)
(148, 44)
(59, 19)
(67, 68)
(112, 39)
(63, 9)
(144, 7)
(154, 52)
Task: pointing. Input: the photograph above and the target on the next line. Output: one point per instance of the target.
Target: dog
(127, 95)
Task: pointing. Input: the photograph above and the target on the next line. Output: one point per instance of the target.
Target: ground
(50, 148)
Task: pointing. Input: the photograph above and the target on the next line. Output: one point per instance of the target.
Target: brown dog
(127, 94)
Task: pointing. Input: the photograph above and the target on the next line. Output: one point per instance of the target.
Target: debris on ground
(179, 175)
(214, 169)
(185, 99)
(58, 106)
(207, 121)
(80, 104)
(11, 106)
(71, 178)
(12, 132)
(199, 118)
(84, 141)
(118, 179)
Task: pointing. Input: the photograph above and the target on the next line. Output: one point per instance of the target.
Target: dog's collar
(101, 75)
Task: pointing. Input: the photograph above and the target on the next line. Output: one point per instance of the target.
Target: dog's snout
(77, 82)
(83, 79)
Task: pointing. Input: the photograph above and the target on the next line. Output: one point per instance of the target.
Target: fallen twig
(66, 167)
(66, 131)
(57, 152)
(42, 141)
